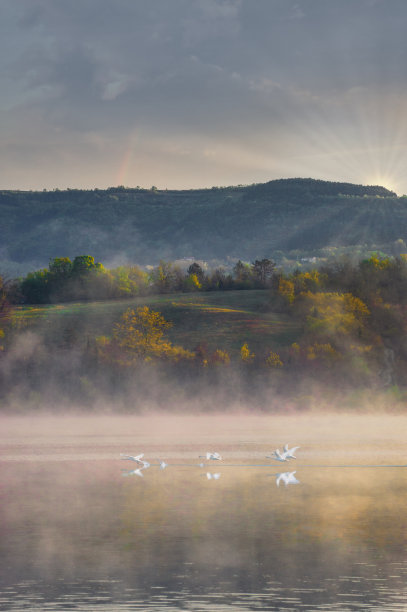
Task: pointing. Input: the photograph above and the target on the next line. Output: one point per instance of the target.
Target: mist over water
(80, 531)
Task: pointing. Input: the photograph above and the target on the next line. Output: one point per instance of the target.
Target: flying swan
(214, 456)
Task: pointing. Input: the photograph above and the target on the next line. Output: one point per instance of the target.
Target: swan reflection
(137, 472)
(287, 478)
(211, 476)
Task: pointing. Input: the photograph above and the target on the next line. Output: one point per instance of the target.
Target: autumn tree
(273, 360)
(245, 354)
(140, 335)
(192, 283)
(308, 281)
(333, 314)
(167, 277)
(220, 357)
(196, 269)
(286, 290)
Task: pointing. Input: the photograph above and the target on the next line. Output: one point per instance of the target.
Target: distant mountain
(143, 226)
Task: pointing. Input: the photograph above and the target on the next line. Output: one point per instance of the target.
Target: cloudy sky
(195, 93)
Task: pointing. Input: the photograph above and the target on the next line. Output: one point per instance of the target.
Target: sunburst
(357, 138)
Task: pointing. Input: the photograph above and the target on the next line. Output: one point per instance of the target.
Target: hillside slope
(143, 226)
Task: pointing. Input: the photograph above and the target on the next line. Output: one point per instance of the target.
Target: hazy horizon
(198, 188)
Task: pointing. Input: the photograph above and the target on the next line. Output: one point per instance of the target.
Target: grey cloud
(196, 75)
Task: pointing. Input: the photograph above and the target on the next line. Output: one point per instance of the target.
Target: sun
(383, 180)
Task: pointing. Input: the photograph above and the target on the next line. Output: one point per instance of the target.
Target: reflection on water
(288, 478)
(77, 535)
(213, 476)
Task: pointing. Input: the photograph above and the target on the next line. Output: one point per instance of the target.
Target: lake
(82, 529)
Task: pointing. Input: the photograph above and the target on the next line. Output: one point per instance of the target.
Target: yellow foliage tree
(140, 334)
(273, 360)
(356, 306)
(286, 289)
(308, 281)
(245, 354)
(334, 313)
(324, 351)
(376, 262)
(221, 357)
(192, 282)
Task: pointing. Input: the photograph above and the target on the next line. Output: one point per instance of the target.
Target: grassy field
(223, 320)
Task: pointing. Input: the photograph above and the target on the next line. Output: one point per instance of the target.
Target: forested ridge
(142, 226)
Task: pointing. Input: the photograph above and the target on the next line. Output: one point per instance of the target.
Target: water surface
(80, 532)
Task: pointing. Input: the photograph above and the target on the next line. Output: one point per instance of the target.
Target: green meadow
(223, 320)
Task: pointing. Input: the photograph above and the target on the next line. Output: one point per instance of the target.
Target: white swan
(214, 456)
(278, 456)
(136, 458)
(163, 465)
(289, 452)
(287, 478)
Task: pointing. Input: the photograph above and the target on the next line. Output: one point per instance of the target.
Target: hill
(143, 226)
(219, 319)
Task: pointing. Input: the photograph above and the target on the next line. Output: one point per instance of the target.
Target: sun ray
(358, 137)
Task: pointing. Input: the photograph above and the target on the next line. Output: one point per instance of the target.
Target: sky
(184, 94)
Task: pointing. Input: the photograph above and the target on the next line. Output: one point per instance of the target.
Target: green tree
(35, 287)
(242, 273)
(90, 280)
(60, 268)
(129, 281)
(83, 264)
(5, 310)
(60, 273)
(263, 270)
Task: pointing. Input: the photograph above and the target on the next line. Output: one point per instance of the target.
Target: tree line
(85, 279)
